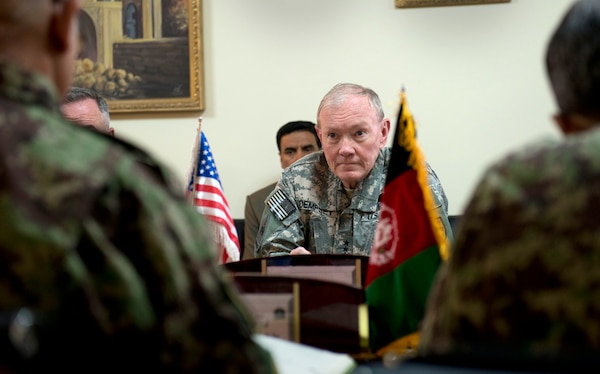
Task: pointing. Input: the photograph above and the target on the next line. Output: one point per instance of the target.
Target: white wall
(474, 76)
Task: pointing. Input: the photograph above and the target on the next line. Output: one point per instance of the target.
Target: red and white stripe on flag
(209, 200)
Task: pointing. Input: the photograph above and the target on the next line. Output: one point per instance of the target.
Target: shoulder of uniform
(280, 204)
(311, 164)
(308, 161)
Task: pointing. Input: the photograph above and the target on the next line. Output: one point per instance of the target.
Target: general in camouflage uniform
(523, 280)
(95, 240)
(310, 208)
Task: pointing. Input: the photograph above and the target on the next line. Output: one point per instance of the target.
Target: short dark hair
(294, 126)
(573, 60)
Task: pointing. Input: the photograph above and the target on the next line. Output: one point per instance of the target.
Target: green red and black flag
(408, 247)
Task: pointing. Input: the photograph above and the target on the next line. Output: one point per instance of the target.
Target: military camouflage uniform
(310, 208)
(107, 253)
(524, 278)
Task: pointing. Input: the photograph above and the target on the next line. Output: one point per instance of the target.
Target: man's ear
(574, 123)
(63, 20)
(563, 123)
(319, 133)
(385, 131)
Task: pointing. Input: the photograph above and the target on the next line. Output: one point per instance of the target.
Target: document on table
(295, 358)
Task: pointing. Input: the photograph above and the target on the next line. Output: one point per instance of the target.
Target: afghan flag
(408, 247)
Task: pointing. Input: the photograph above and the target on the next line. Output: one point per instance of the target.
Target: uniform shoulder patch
(280, 205)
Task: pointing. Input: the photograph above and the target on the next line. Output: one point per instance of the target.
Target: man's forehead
(355, 124)
(298, 138)
(353, 114)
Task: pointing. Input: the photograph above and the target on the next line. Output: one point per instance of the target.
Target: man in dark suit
(294, 140)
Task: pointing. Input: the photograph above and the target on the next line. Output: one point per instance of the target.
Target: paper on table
(296, 358)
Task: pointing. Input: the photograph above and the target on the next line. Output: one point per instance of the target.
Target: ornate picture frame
(431, 3)
(143, 55)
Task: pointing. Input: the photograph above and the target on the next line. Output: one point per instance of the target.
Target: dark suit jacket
(255, 204)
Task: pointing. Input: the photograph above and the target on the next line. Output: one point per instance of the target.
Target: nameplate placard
(345, 274)
(272, 313)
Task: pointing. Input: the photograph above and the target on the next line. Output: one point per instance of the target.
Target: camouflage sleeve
(436, 187)
(153, 277)
(443, 217)
(440, 201)
(281, 229)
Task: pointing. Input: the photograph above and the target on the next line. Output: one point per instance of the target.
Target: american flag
(209, 199)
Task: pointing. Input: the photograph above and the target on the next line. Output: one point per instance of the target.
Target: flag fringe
(407, 139)
(228, 250)
(403, 346)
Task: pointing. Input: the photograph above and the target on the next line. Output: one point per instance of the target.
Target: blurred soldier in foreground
(522, 283)
(95, 240)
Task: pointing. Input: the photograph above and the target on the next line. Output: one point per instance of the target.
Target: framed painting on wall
(143, 55)
(429, 3)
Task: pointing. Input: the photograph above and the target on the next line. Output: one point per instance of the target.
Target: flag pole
(192, 170)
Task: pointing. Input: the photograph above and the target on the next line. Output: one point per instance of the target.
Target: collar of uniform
(26, 87)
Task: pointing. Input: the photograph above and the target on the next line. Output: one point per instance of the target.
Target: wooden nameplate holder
(346, 269)
(323, 314)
